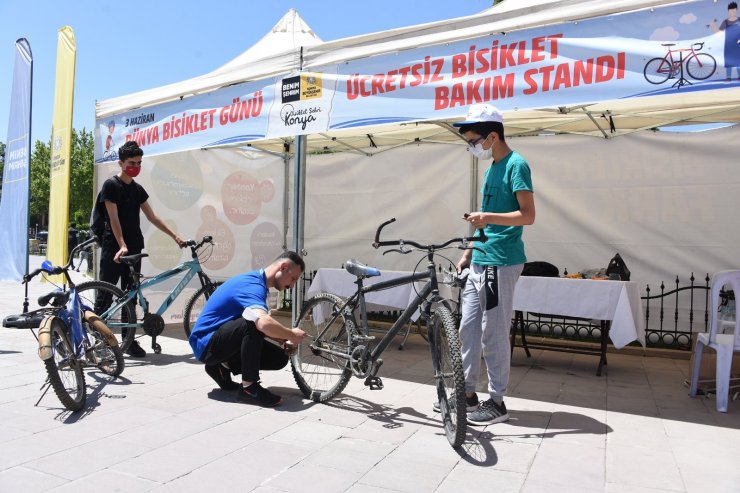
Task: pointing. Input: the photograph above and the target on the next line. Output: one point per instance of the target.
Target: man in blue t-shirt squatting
(229, 335)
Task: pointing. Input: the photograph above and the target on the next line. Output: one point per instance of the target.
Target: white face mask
(481, 153)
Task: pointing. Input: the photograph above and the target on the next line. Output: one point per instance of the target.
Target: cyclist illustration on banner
(731, 28)
(110, 153)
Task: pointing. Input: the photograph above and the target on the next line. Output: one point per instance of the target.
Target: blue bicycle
(119, 309)
(71, 337)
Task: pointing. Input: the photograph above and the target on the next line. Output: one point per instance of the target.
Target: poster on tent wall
(234, 196)
(692, 46)
(15, 179)
(231, 115)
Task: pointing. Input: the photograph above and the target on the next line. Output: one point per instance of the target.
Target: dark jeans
(112, 272)
(239, 344)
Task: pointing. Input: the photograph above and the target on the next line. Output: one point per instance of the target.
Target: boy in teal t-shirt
(507, 204)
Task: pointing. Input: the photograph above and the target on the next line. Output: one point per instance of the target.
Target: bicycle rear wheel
(64, 369)
(106, 353)
(657, 71)
(99, 296)
(448, 373)
(321, 363)
(195, 305)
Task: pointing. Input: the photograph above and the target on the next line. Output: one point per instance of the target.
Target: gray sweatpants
(486, 332)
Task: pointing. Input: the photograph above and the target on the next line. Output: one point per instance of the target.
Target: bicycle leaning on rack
(338, 347)
(698, 65)
(71, 337)
(119, 309)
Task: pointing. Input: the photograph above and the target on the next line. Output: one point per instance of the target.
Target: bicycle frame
(358, 300)
(190, 267)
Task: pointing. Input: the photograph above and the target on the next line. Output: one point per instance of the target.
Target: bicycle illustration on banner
(678, 62)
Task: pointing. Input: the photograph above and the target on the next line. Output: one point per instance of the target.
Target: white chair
(723, 344)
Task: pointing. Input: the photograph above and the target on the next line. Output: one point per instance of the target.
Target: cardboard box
(707, 371)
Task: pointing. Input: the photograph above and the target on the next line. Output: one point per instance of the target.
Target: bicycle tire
(119, 321)
(656, 71)
(322, 376)
(423, 330)
(64, 369)
(108, 356)
(449, 375)
(195, 305)
(701, 66)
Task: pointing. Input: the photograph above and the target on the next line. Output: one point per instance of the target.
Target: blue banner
(687, 47)
(234, 114)
(15, 191)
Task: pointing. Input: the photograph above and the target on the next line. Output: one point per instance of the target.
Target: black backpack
(541, 269)
(618, 267)
(97, 219)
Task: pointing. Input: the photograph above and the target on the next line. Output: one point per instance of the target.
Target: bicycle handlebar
(377, 243)
(64, 268)
(196, 245)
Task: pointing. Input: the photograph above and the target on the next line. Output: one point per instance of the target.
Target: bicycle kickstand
(46, 386)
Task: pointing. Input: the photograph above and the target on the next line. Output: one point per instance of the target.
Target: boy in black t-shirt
(124, 199)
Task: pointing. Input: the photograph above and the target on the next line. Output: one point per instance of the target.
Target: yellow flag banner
(61, 141)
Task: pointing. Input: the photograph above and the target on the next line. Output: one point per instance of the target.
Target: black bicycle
(337, 347)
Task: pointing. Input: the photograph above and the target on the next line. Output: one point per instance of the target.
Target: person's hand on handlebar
(180, 242)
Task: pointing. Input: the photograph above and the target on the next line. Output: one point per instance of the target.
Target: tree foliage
(81, 180)
(38, 206)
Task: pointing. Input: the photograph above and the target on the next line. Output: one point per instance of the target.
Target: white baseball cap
(478, 113)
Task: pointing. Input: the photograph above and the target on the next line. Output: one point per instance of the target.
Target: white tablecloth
(616, 301)
(342, 283)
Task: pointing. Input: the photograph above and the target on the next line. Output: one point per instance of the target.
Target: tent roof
(289, 34)
(276, 53)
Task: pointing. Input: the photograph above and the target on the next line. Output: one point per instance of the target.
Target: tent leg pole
(299, 203)
(473, 192)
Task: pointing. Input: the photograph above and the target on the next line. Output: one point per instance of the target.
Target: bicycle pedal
(375, 383)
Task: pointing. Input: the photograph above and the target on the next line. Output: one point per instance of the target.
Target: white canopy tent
(291, 45)
(432, 139)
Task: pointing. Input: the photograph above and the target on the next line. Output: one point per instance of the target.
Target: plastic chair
(724, 344)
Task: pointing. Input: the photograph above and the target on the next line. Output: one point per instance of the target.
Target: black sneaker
(256, 394)
(136, 350)
(222, 377)
(472, 403)
(488, 413)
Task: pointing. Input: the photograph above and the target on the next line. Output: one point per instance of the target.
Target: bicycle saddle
(132, 259)
(59, 297)
(360, 270)
(23, 321)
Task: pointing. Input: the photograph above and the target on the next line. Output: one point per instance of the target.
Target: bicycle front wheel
(103, 297)
(105, 354)
(321, 363)
(64, 369)
(701, 66)
(448, 374)
(657, 71)
(195, 305)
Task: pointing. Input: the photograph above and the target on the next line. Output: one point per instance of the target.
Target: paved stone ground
(163, 427)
